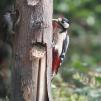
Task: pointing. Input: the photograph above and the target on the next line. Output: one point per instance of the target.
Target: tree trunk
(31, 75)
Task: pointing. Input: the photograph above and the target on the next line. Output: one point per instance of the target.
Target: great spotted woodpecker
(60, 42)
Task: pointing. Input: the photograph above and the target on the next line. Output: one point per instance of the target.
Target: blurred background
(79, 78)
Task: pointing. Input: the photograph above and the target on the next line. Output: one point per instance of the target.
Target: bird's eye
(63, 21)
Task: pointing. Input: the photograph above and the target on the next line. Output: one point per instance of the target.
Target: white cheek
(66, 25)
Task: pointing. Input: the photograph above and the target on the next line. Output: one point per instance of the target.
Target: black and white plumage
(60, 42)
(64, 48)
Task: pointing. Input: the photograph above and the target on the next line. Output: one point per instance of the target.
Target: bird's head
(64, 22)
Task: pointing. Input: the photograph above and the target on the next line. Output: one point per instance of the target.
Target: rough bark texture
(31, 79)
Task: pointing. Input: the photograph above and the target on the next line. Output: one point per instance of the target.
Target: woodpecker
(60, 42)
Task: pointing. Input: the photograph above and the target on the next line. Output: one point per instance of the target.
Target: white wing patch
(59, 43)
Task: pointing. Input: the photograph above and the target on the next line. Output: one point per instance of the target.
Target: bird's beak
(55, 20)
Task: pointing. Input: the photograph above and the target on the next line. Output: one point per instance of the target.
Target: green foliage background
(79, 78)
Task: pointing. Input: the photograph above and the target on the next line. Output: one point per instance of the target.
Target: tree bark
(31, 75)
